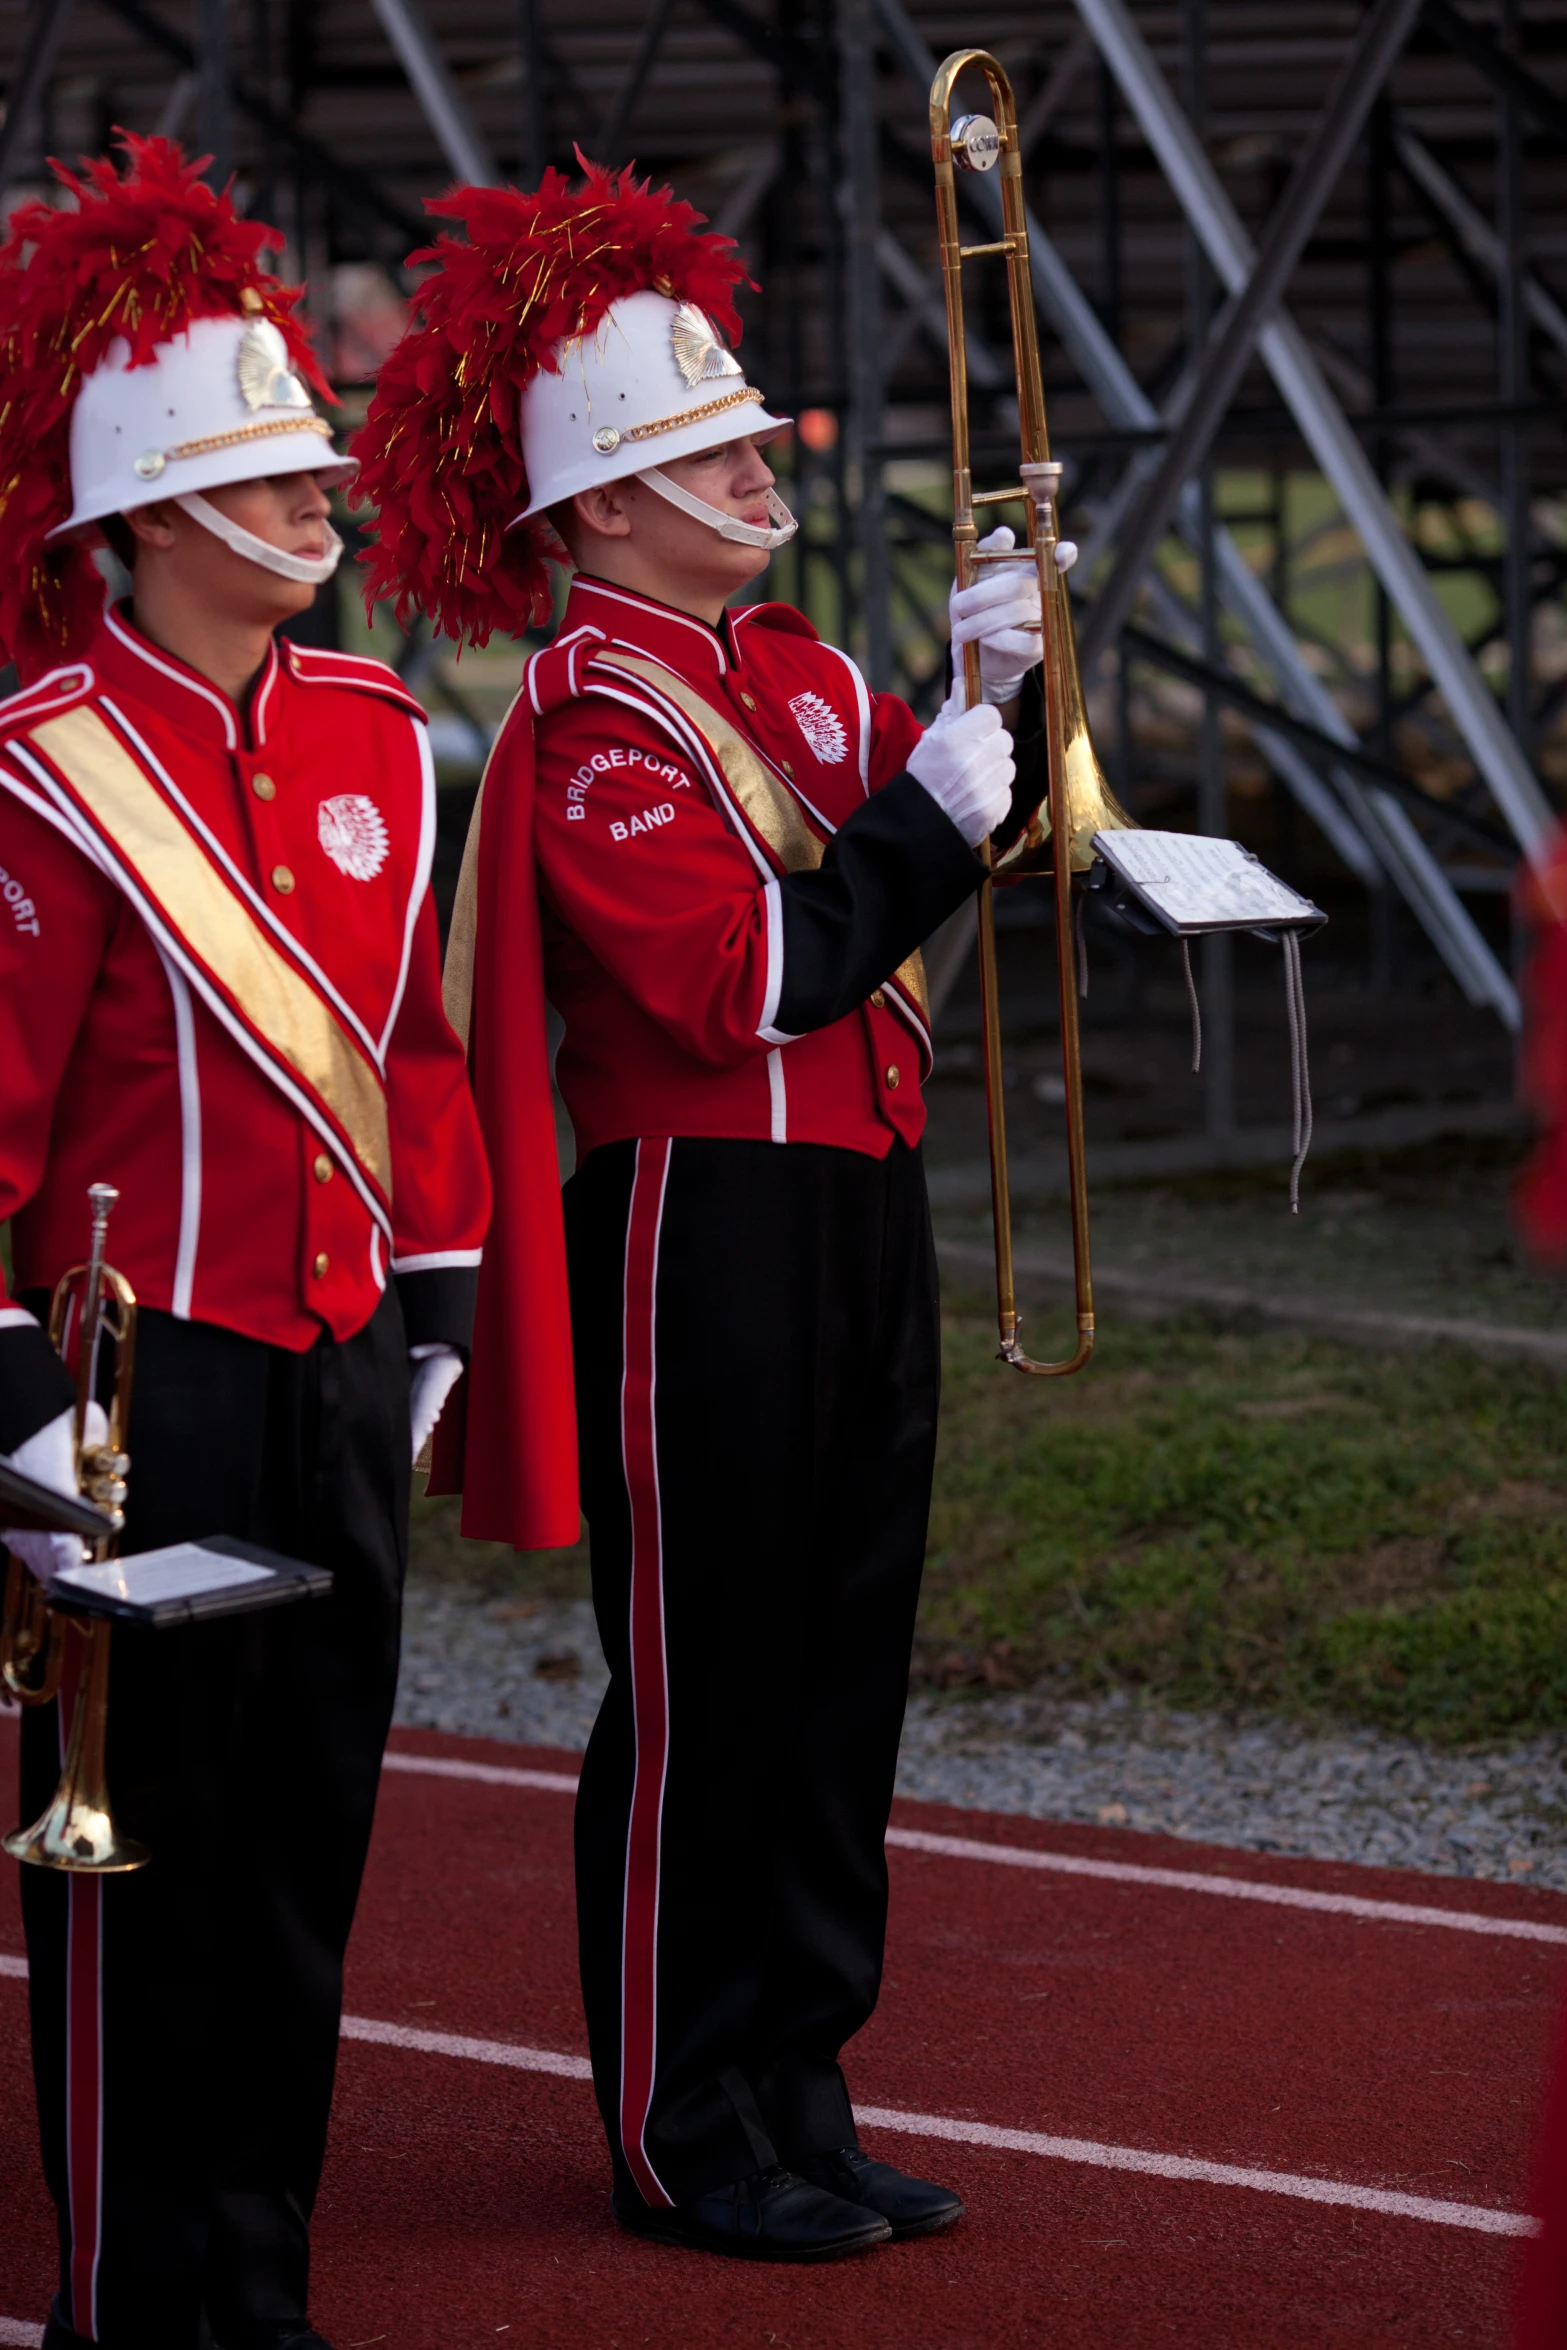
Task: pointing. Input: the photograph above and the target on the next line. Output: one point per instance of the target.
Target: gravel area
(531, 1671)
(525, 1669)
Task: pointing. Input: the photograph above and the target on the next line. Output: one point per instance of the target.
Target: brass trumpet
(91, 1303)
(1079, 802)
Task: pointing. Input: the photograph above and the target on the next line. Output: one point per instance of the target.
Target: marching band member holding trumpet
(219, 991)
(716, 853)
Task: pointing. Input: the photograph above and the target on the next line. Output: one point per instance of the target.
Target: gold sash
(767, 805)
(293, 1021)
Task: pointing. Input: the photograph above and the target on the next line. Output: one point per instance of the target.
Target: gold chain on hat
(608, 438)
(152, 461)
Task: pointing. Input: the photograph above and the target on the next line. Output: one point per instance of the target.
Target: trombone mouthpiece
(101, 1198)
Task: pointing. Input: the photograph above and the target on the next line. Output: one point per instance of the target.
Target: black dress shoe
(911, 2207)
(770, 2216)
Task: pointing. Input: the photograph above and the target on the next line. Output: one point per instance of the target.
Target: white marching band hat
(217, 403)
(651, 383)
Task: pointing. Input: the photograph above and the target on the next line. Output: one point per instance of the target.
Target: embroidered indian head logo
(353, 833)
(822, 728)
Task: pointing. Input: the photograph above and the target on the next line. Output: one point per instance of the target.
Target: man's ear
(152, 525)
(604, 510)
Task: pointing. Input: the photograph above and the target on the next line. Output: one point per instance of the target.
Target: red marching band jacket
(656, 783)
(220, 991)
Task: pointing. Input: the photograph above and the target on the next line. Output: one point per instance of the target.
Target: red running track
(465, 2200)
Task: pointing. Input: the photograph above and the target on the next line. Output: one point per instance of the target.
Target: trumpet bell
(76, 1831)
(78, 1834)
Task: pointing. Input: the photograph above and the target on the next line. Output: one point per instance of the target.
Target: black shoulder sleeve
(35, 1386)
(438, 1305)
(890, 875)
(1030, 758)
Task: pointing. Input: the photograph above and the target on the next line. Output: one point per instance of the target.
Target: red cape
(1540, 1196)
(1540, 2288)
(507, 1441)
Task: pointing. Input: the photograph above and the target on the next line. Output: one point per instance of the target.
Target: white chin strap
(728, 526)
(309, 570)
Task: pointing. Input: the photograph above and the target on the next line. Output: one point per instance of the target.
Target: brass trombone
(92, 1303)
(1079, 802)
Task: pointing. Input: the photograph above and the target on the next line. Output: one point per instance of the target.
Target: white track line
(522, 2060)
(1350, 1905)
(16, 2329)
(437, 1766)
(1118, 1872)
(965, 2133)
(1475, 2216)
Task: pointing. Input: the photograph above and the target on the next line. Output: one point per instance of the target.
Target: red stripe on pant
(649, 1685)
(83, 2066)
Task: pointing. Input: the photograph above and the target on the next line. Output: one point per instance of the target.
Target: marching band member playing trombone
(219, 991)
(716, 853)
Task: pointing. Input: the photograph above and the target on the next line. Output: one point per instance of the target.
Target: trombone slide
(1058, 837)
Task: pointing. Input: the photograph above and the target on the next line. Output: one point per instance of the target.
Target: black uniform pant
(185, 2018)
(757, 1355)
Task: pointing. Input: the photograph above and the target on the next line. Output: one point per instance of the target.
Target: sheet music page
(183, 1571)
(1194, 881)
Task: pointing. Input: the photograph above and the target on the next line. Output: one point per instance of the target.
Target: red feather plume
(140, 256)
(440, 451)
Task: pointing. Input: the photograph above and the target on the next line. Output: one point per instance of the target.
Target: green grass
(1259, 1522)
(1267, 1523)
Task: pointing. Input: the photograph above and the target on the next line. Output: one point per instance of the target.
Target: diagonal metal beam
(1190, 665)
(1475, 233)
(1215, 380)
(927, 308)
(1282, 753)
(214, 112)
(429, 77)
(1327, 433)
(734, 215)
(176, 106)
(1385, 825)
(533, 143)
(623, 105)
(1046, 104)
(1515, 81)
(355, 188)
(46, 23)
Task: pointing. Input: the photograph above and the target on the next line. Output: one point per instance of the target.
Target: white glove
(964, 761)
(49, 1456)
(433, 1371)
(1001, 613)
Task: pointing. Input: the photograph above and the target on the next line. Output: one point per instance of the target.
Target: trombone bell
(1091, 804)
